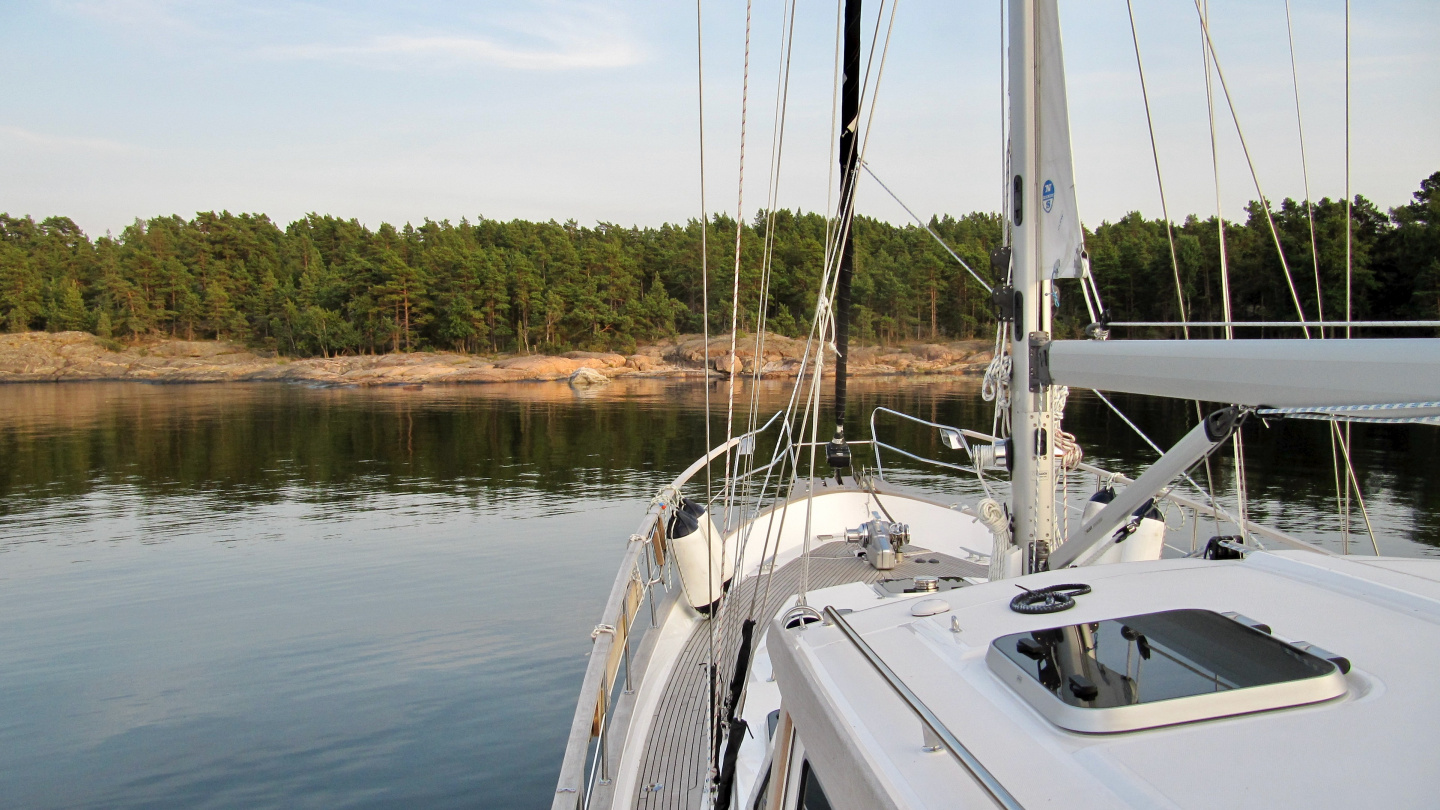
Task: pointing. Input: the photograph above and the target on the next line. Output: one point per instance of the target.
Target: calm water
(231, 596)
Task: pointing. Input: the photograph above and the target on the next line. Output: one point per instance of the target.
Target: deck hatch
(1158, 669)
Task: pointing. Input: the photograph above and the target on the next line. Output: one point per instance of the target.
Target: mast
(838, 452)
(1032, 425)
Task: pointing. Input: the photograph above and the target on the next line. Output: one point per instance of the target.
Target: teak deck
(674, 768)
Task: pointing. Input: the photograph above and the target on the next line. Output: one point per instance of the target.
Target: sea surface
(272, 596)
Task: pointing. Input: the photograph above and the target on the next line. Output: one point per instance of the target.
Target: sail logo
(1047, 195)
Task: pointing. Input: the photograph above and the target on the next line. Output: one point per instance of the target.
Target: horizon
(907, 222)
(120, 110)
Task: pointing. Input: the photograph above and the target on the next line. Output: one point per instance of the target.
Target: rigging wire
(1165, 210)
(1349, 266)
(1218, 512)
(1353, 481)
(1349, 218)
(996, 385)
(780, 453)
(824, 315)
(820, 323)
(1305, 169)
(928, 229)
(832, 214)
(782, 99)
(705, 310)
(1339, 444)
(1207, 56)
(1159, 181)
(1004, 140)
(777, 137)
(1215, 168)
(704, 231)
(1244, 147)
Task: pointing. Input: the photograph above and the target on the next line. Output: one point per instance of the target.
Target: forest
(324, 285)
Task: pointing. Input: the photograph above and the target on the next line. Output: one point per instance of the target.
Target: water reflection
(520, 448)
(274, 596)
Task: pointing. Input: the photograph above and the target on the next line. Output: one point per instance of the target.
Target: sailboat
(806, 634)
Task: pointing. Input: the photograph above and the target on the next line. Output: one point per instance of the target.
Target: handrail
(600, 672)
(719, 449)
(574, 788)
(596, 683)
(1181, 500)
(967, 759)
(972, 434)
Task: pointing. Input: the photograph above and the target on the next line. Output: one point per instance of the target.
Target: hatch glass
(1156, 657)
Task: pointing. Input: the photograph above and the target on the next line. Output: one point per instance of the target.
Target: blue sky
(116, 109)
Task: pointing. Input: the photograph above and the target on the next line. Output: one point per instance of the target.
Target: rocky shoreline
(80, 356)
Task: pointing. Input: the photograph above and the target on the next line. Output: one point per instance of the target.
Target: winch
(881, 542)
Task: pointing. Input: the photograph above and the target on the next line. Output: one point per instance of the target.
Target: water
(228, 596)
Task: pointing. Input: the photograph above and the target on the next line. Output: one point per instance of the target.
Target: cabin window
(771, 721)
(812, 796)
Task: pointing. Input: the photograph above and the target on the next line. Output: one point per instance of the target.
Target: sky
(400, 112)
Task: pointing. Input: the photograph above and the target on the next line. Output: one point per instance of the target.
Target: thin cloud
(564, 55)
(155, 16)
(62, 142)
(552, 37)
(544, 36)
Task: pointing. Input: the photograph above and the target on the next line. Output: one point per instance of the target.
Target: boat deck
(674, 767)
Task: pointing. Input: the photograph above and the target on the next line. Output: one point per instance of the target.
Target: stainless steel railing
(587, 759)
(1195, 505)
(957, 749)
(960, 432)
(609, 675)
(586, 763)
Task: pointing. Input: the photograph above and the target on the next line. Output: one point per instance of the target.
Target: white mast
(1032, 428)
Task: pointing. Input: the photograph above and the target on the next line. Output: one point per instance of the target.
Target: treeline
(324, 285)
(1395, 264)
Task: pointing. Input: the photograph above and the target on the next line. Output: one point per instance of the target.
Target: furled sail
(1062, 245)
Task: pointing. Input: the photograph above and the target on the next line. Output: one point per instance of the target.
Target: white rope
(996, 385)
(753, 498)
(782, 99)
(993, 516)
(735, 287)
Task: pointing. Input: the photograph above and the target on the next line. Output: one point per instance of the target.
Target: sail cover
(1062, 245)
(1361, 378)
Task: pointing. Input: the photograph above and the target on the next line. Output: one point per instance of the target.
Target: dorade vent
(1159, 669)
(929, 607)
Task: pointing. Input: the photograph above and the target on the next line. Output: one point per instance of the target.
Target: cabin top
(1316, 667)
